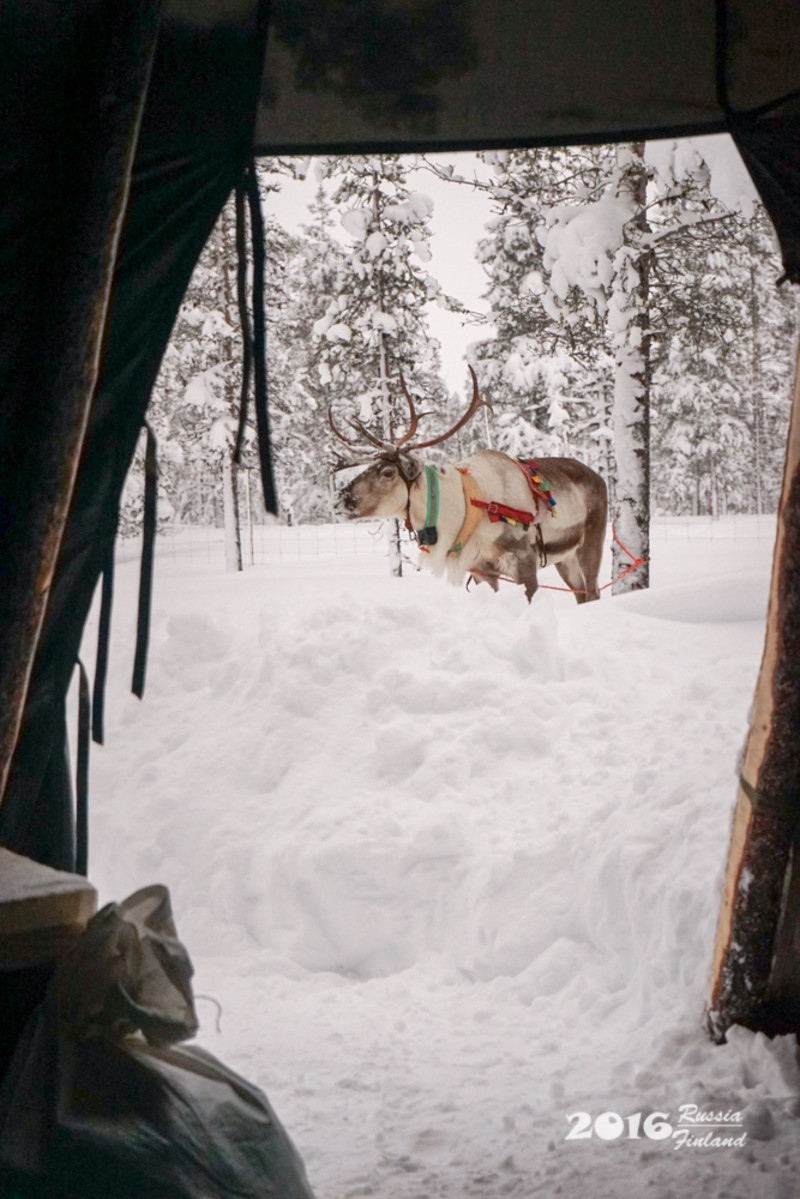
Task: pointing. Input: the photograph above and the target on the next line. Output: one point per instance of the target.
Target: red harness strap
(515, 516)
(539, 490)
(503, 512)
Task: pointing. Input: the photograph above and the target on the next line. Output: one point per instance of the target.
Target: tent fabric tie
(82, 774)
(101, 661)
(244, 316)
(247, 190)
(91, 706)
(253, 367)
(146, 575)
(91, 715)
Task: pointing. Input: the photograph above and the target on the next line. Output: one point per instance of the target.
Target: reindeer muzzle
(345, 501)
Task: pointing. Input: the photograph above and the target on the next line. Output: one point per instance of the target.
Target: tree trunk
(758, 399)
(629, 322)
(230, 509)
(393, 535)
(249, 498)
(230, 470)
(714, 489)
(487, 430)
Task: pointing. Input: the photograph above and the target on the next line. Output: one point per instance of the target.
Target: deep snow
(451, 864)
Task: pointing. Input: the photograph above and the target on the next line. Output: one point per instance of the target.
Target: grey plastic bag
(100, 1102)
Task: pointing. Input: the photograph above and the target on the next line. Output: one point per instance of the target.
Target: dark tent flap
(770, 148)
(759, 57)
(375, 74)
(194, 139)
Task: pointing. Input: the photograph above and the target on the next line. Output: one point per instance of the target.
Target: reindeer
(489, 516)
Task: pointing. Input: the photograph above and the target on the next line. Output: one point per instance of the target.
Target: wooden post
(756, 966)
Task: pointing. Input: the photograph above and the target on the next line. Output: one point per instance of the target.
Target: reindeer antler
(475, 404)
(342, 463)
(356, 424)
(344, 440)
(394, 447)
(412, 428)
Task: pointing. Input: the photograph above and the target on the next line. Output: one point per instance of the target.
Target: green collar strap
(428, 535)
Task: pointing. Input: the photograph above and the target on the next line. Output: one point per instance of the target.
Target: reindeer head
(382, 489)
(392, 467)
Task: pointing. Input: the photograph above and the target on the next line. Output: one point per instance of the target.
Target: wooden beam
(42, 911)
(755, 977)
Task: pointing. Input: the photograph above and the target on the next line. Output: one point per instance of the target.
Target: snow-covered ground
(451, 864)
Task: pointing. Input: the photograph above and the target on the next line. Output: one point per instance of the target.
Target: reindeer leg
(572, 574)
(589, 555)
(590, 571)
(526, 562)
(485, 571)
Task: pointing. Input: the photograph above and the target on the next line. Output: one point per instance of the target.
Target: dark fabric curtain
(196, 135)
(72, 80)
(770, 147)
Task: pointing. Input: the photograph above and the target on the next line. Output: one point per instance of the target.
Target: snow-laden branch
(686, 226)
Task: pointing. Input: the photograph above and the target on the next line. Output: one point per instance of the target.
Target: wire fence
(364, 545)
(736, 527)
(276, 544)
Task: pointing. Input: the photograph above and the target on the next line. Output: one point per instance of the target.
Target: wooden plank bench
(42, 911)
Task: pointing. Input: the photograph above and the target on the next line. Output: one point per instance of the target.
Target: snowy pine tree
(374, 327)
(299, 298)
(547, 380)
(722, 387)
(593, 259)
(723, 361)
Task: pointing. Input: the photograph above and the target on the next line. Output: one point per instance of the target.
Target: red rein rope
(635, 562)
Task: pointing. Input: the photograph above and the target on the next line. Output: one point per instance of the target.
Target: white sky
(457, 223)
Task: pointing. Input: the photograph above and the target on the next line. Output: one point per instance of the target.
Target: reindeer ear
(411, 468)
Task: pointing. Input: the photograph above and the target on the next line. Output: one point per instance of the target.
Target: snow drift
(451, 864)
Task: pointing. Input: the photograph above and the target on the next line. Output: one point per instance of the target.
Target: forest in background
(633, 322)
